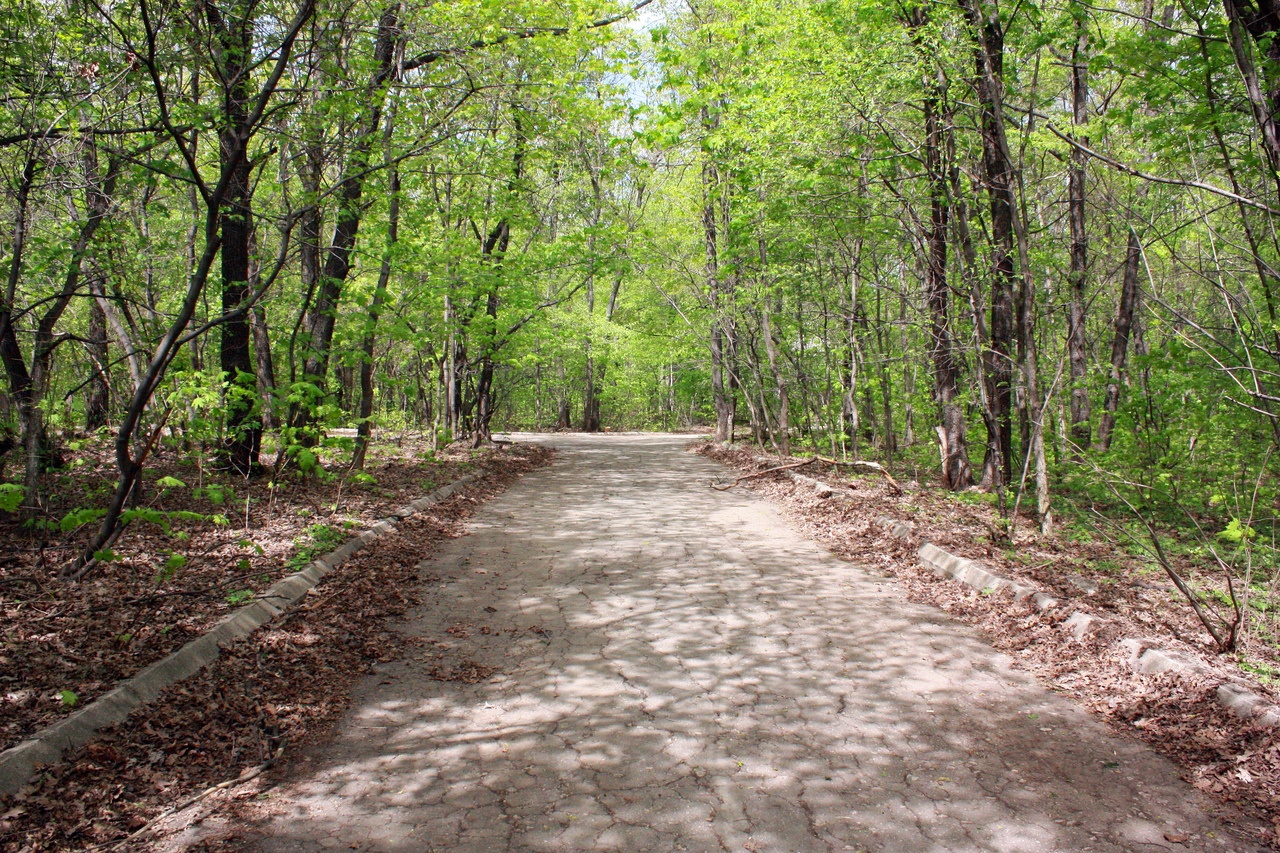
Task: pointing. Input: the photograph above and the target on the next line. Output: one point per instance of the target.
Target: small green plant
(360, 478)
(216, 493)
(1236, 532)
(249, 543)
(1108, 566)
(1266, 673)
(323, 538)
(240, 596)
(1219, 596)
(168, 482)
(170, 568)
(68, 698)
(11, 495)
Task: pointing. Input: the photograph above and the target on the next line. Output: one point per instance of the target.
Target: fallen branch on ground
(248, 775)
(720, 487)
(866, 467)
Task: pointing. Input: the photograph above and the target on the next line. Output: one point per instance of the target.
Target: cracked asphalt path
(678, 669)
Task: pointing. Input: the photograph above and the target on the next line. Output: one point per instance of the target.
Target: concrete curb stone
(1143, 656)
(19, 763)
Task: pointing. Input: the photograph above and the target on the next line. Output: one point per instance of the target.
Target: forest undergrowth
(1235, 763)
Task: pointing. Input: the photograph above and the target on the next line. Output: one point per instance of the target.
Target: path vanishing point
(678, 669)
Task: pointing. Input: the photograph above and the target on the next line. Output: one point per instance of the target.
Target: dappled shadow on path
(678, 669)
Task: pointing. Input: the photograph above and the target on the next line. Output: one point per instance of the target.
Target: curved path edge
(1143, 655)
(19, 764)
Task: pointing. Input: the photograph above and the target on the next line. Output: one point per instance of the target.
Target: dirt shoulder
(1236, 763)
(280, 687)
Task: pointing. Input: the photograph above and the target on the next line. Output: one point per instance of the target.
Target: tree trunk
(956, 471)
(337, 262)
(1261, 18)
(989, 59)
(98, 397)
(1120, 342)
(989, 50)
(782, 428)
(234, 55)
(711, 271)
(365, 428)
(1079, 273)
(265, 367)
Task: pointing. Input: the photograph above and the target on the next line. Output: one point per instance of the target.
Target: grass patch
(318, 540)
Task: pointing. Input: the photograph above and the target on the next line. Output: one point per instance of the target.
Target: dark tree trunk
(956, 471)
(234, 50)
(996, 170)
(337, 261)
(98, 397)
(1120, 341)
(1078, 276)
(1261, 18)
(365, 428)
(719, 386)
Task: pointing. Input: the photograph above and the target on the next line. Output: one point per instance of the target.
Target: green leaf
(77, 517)
(11, 495)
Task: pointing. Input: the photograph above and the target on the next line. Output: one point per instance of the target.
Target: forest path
(679, 669)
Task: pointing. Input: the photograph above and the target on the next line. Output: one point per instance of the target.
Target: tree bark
(98, 396)
(989, 47)
(711, 272)
(989, 60)
(1120, 342)
(956, 471)
(782, 428)
(338, 258)
(365, 428)
(1261, 19)
(1078, 276)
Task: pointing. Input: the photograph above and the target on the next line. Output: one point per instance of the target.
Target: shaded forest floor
(1232, 761)
(64, 644)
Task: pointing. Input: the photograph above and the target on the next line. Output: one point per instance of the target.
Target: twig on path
(720, 487)
(246, 776)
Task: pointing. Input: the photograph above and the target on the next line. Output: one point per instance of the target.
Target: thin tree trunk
(365, 428)
(337, 262)
(990, 62)
(782, 429)
(1078, 277)
(1120, 342)
(956, 471)
(989, 44)
(710, 187)
(98, 397)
